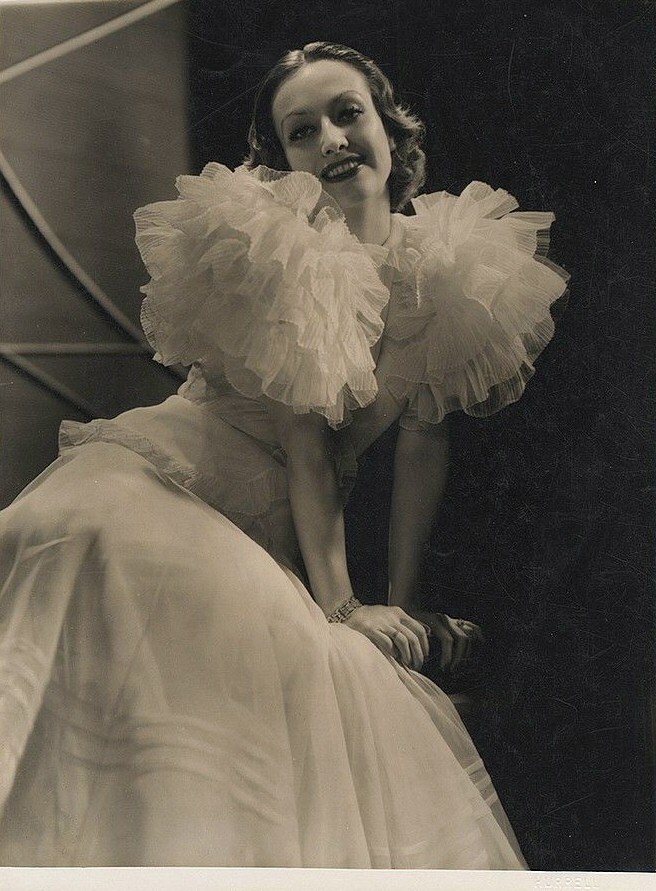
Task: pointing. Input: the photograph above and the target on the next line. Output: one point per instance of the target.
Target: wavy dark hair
(408, 160)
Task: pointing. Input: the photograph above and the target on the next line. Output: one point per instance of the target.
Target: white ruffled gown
(170, 694)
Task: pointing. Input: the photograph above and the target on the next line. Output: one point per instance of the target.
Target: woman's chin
(354, 192)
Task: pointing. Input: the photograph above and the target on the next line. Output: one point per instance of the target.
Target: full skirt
(171, 695)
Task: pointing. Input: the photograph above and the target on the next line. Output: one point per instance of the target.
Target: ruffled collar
(305, 193)
(398, 260)
(422, 248)
(256, 276)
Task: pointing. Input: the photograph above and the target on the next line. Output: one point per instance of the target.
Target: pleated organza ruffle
(474, 292)
(256, 278)
(255, 275)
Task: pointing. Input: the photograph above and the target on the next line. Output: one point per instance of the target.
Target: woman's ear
(392, 143)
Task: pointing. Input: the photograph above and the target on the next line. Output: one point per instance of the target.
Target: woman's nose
(333, 139)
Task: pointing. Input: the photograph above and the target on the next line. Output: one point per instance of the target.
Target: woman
(171, 692)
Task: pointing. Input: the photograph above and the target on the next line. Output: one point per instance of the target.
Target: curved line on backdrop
(51, 384)
(15, 354)
(57, 249)
(80, 348)
(84, 39)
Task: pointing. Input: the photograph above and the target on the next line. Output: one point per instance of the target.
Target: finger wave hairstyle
(408, 172)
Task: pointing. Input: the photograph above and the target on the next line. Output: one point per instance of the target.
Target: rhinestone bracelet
(342, 612)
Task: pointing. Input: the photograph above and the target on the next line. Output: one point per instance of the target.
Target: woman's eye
(300, 133)
(351, 112)
(345, 115)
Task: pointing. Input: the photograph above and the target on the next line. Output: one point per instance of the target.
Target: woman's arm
(316, 503)
(420, 471)
(318, 518)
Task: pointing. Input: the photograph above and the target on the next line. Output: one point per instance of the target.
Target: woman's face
(327, 124)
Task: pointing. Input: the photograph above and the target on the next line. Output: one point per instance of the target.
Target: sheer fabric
(192, 706)
(170, 694)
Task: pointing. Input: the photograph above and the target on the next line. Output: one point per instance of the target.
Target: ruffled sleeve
(255, 276)
(473, 308)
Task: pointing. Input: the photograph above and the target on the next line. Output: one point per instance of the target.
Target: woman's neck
(370, 222)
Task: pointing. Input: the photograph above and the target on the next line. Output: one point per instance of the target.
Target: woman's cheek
(298, 159)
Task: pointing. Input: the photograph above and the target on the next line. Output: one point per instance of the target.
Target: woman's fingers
(407, 646)
(383, 642)
(460, 649)
(443, 634)
(473, 631)
(405, 638)
(414, 634)
(416, 649)
(402, 644)
(420, 632)
(463, 634)
(395, 643)
(453, 643)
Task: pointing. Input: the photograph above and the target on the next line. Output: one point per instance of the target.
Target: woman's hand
(455, 636)
(394, 632)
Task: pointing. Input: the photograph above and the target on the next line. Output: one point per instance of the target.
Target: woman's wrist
(344, 610)
(404, 595)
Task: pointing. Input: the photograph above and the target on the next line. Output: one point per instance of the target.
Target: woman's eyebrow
(298, 112)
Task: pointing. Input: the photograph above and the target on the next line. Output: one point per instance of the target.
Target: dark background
(547, 528)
